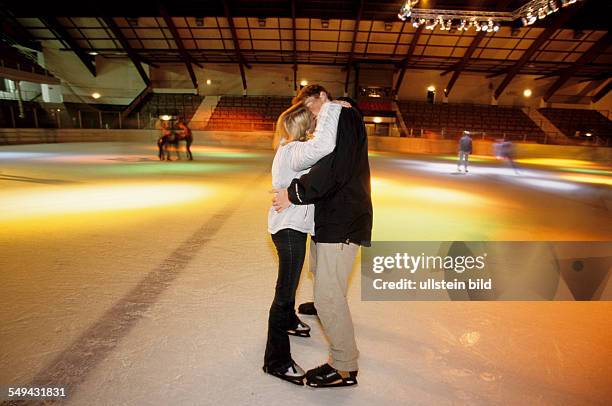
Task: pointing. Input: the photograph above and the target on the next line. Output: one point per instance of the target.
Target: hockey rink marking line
(71, 367)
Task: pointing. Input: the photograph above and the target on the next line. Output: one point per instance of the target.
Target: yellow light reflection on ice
(557, 162)
(387, 188)
(602, 180)
(415, 210)
(96, 198)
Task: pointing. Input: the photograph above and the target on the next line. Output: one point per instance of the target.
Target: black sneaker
(291, 373)
(307, 308)
(300, 329)
(326, 376)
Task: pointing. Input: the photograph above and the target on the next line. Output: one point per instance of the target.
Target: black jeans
(291, 247)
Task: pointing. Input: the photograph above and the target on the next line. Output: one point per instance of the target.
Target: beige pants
(331, 265)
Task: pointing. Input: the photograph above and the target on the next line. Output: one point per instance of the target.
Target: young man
(339, 187)
(465, 149)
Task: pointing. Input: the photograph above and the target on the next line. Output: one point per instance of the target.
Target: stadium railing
(32, 115)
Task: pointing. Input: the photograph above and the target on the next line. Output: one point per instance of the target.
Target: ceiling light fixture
(528, 14)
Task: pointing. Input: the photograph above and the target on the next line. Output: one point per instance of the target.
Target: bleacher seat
(382, 108)
(492, 121)
(247, 113)
(174, 104)
(571, 121)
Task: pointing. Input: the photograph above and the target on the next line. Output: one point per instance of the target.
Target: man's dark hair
(309, 91)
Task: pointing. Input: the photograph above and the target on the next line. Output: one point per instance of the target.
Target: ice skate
(326, 376)
(291, 373)
(307, 308)
(300, 329)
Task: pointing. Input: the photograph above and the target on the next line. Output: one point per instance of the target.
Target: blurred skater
(185, 136)
(465, 149)
(505, 150)
(167, 138)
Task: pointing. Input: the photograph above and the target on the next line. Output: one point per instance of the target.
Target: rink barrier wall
(523, 150)
(263, 140)
(16, 136)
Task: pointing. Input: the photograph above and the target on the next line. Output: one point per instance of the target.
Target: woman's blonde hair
(294, 124)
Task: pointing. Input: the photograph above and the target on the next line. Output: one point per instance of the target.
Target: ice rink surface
(139, 282)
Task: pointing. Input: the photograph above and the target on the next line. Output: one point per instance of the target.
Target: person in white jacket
(298, 148)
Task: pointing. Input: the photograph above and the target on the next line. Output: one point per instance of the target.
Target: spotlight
(530, 17)
(96, 95)
(304, 83)
(554, 7)
(405, 11)
(431, 24)
(377, 120)
(208, 81)
(527, 92)
(431, 88)
(261, 21)
(93, 53)
(165, 117)
(541, 13)
(589, 134)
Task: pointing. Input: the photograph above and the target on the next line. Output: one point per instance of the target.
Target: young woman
(290, 227)
(167, 138)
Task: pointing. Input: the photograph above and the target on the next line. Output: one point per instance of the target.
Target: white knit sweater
(295, 159)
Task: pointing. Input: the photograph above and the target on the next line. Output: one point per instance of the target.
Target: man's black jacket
(339, 186)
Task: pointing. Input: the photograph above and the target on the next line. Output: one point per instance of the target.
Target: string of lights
(535, 10)
(487, 21)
